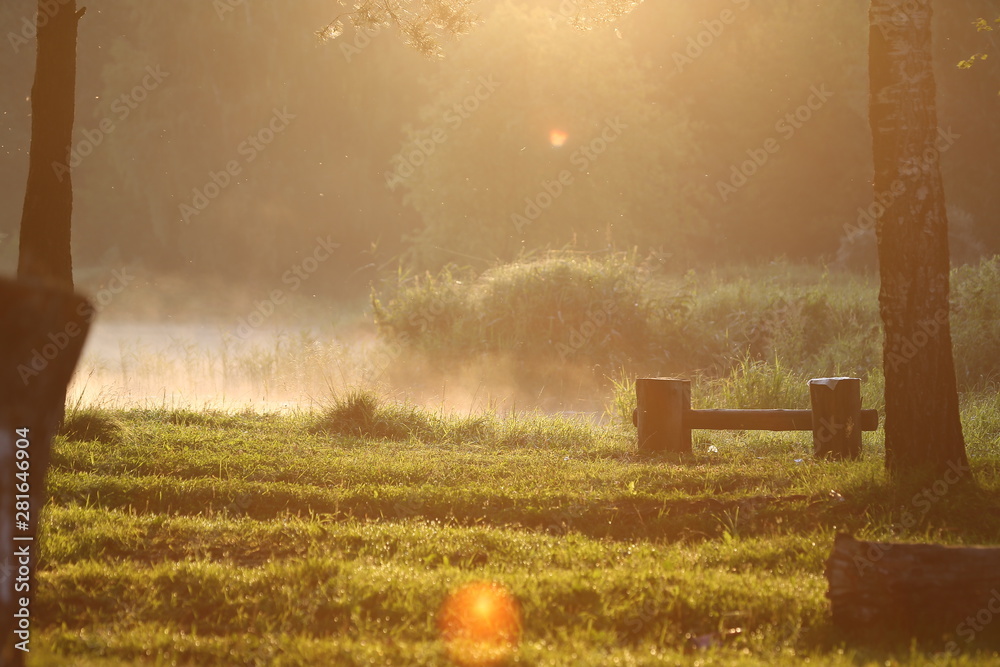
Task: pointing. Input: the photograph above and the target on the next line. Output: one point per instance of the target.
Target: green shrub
(816, 325)
(564, 308)
(616, 316)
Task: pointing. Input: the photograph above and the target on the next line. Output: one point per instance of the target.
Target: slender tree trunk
(922, 426)
(48, 199)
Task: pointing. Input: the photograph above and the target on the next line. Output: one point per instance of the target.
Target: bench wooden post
(836, 417)
(662, 407)
(42, 331)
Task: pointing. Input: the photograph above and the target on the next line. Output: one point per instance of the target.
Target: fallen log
(882, 591)
(42, 331)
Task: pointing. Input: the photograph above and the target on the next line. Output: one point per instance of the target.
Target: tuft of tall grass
(362, 413)
(91, 423)
(975, 322)
(756, 384)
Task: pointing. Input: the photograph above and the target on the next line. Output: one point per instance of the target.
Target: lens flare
(480, 624)
(557, 138)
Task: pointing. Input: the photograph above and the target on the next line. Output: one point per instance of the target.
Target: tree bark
(40, 342)
(44, 252)
(893, 592)
(923, 431)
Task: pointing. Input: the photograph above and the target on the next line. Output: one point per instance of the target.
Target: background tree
(354, 96)
(922, 425)
(547, 141)
(48, 199)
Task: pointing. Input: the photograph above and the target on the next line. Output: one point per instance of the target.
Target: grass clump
(362, 413)
(757, 385)
(91, 424)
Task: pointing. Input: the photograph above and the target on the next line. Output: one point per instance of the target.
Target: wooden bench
(665, 419)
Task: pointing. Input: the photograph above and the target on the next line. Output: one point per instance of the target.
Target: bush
(618, 317)
(563, 307)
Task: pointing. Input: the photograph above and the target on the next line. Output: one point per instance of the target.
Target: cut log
(836, 417)
(765, 420)
(661, 412)
(888, 591)
(42, 331)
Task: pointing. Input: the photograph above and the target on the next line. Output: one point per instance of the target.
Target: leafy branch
(423, 24)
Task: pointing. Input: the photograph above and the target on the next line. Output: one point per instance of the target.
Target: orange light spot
(557, 138)
(480, 624)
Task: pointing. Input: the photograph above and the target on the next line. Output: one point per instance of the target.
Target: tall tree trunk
(44, 251)
(922, 426)
(43, 333)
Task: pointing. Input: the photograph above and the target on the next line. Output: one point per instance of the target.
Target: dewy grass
(183, 536)
(334, 537)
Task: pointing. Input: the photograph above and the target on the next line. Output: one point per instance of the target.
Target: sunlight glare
(557, 138)
(480, 624)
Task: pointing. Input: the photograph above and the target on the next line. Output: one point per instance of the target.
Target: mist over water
(161, 342)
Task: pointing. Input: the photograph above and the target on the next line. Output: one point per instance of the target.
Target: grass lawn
(204, 538)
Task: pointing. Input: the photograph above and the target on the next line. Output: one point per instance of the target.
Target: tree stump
(888, 592)
(42, 331)
(836, 417)
(662, 407)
